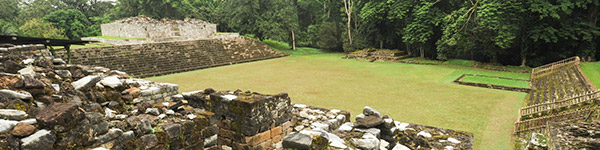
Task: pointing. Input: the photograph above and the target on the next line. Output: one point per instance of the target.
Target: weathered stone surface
(42, 139)
(6, 125)
(153, 111)
(64, 114)
(14, 94)
(368, 122)
(23, 129)
(112, 82)
(63, 73)
(29, 83)
(149, 140)
(11, 66)
(86, 82)
(112, 134)
(27, 72)
(367, 142)
(370, 111)
(172, 130)
(297, 141)
(13, 114)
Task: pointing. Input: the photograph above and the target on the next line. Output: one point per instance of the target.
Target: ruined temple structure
(48, 104)
(146, 27)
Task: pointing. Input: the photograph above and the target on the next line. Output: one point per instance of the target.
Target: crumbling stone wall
(156, 59)
(137, 27)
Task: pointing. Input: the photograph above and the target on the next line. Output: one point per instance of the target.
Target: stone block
(63, 114)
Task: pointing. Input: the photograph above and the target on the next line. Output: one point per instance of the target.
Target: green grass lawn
(422, 94)
(496, 81)
(592, 71)
(284, 47)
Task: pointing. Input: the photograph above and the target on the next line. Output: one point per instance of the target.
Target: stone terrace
(560, 93)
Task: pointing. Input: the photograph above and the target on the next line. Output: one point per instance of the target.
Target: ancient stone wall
(154, 59)
(147, 27)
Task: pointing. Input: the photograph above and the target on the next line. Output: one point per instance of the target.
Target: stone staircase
(560, 93)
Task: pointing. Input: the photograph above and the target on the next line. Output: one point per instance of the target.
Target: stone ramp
(560, 93)
(155, 59)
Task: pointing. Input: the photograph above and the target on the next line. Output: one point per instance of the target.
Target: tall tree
(40, 28)
(348, 6)
(72, 21)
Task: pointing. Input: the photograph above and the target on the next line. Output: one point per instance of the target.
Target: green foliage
(9, 9)
(8, 28)
(72, 21)
(40, 28)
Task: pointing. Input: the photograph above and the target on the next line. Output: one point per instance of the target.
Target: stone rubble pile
(373, 54)
(318, 128)
(582, 135)
(148, 20)
(47, 104)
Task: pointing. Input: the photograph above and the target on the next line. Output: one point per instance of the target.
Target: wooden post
(51, 49)
(67, 47)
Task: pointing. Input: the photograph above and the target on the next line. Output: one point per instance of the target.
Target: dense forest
(510, 32)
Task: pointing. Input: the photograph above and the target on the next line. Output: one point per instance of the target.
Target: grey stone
(112, 134)
(29, 121)
(100, 128)
(149, 140)
(368, 111)
(297, 141)
(336, 141)
(367, 142)
(108, 113)
(58, 61)
(13, 114)
(42, 139)
(172, 130)
(346, 127)
(63, 73)
(86, 82)
(374, 131)
(27, 72)
(93, 117)
(400, 147)
(368, 122)
(212, 140)
(14, 94)
(170, 112)
(127, 136)
(318, 125)
(6, 125)
(153, 111)
(112, 82)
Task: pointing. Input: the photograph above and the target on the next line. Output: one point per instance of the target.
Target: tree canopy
(511, 32)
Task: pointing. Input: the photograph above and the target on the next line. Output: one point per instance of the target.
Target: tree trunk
(293, 40)
(348, 4)
(381, 44)
(523, 61)
(422, 51)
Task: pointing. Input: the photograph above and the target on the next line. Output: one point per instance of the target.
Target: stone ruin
(47, 104)
(372, 55)
(146, 27)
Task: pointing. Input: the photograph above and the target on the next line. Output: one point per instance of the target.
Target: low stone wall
(492, 86)
(155, 59)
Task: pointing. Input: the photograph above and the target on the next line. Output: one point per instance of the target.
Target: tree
(8, 28)
(38, 9)
(40, 28)
(348, 6)
(9, 10)
(157, 9)
(421, 29)
(72, 21)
